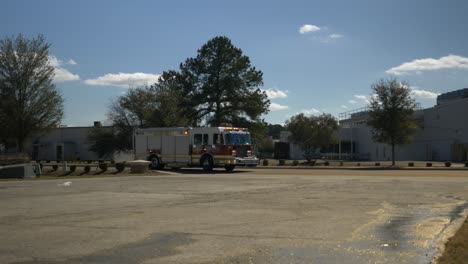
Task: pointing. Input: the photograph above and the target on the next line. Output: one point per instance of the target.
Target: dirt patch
(456, 248)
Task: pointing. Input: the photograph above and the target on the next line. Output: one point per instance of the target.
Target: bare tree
(29, 101)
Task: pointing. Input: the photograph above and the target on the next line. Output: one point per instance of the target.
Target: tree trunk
(393, 154)
(20, 143)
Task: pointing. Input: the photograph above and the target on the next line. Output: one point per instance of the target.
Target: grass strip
(456, 248)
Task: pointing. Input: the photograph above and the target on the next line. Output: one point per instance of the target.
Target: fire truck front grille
(241, 152)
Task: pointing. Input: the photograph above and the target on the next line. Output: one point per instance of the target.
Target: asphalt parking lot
(251, 216)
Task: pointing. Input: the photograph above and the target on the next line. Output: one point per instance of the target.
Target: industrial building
(442, 133)
(67, 143)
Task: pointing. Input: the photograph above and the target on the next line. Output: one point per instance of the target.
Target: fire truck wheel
(207, 163)
(229, 168)
(155, 163)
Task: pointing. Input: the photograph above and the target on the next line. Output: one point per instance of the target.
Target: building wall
(74, 140)
(442, 128)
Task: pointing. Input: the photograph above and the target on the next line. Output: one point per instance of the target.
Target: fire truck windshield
(237, 139)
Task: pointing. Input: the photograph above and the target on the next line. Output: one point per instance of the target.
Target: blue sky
(316, 56)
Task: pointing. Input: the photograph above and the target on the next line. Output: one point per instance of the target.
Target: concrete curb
(360, 168)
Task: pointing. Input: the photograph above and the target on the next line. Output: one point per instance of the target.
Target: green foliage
(103, 166)
(172, 105)
(274, 130)
(29, 101)
(312, 132)
(87, 169)
(448, 164)
(120, 166)
(326, 163)
(107, 140)
(281, 162)
(266, 148)
(72, 168)
(429, 164)
(391, 113)
(410, 164)
(265, 162)
(225, 86)
(295, 162)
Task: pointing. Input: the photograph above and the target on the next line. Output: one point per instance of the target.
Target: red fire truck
(205, 147)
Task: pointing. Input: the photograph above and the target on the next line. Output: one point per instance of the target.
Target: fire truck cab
(205, 147)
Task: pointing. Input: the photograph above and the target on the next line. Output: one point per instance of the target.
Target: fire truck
(205, 147)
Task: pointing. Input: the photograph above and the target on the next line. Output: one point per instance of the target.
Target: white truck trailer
(205, 147)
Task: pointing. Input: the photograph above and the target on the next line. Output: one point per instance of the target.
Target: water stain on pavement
(155, 246)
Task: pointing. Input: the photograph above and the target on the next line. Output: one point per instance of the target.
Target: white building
(68, 143)
(442, 133)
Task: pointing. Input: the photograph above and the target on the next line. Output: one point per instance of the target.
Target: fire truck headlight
(233, 152)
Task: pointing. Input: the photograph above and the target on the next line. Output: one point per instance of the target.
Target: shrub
(341, 163)
(72, 168)
(87, 169)
(112, 162)
(377, 164)
(448, 164)
(429, 164)
(295, 162)
(120, 166)
(89, 161)
(54, 167)
(312, 163)
(103, 166)
(358, 164)
(326, 163)
(281, 162)
(466, 163)
(410, 164)
(265, 162)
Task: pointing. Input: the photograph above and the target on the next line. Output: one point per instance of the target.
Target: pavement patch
(153, 247)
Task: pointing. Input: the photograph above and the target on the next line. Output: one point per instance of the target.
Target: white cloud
(307, 28)
(423, 94)
(335, 36)
(275, 107)
(311, 111)
(71, 62)
(276, 93)
(330, 38)
(61, 74)
(124, 80)
(352, 102)
(361, 97)
(429, 64)
(344, 107)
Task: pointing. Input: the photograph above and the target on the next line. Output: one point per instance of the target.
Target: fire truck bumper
(247, 161)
